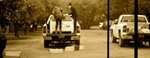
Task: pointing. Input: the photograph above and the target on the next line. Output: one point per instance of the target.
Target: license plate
(67, 26)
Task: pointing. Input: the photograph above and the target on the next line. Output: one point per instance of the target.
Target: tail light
(125, 29)
(78, 29)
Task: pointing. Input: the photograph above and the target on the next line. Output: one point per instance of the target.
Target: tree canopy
(90, 11)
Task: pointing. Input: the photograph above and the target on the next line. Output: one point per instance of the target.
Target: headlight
(125, 28)
(145, 30)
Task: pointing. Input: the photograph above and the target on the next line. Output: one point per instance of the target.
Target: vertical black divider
(136, 29)
(108, 28)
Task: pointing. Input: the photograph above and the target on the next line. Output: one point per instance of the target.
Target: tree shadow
(140, 46)
(59, 45)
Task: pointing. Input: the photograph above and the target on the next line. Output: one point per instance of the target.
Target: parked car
(100, 24)
(123, 29)
(105, 25)
(113, 23)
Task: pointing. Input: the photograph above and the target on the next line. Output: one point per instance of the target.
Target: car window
(141, 19)
(131, 19)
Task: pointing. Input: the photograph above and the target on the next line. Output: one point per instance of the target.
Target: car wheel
(121, 41)
(77, 42)
(46, 44)
(77, 45)
(114, 40)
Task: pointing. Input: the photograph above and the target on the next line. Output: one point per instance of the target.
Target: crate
(12, 54)
(51, 51)
(69, 48)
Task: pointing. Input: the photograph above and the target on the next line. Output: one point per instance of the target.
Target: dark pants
(35, 27)
(25, 28)
(58, 22)
(16, 26)
(36, 24)
(75, 24)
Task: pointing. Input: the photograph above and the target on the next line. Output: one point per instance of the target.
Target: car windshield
(131, 19)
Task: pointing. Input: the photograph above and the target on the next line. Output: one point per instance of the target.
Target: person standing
(16, 22)
(57, 12)
(36, 24)
(3, 41)
(74, 15)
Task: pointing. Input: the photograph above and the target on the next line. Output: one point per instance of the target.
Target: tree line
(90, 12)
(118, 7)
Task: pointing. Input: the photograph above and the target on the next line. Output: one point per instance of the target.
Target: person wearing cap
(74, 15)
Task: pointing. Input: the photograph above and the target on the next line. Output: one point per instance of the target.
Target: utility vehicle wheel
(46, 44)
(77, 42)
(114, 40)
(121, 41)
(77, 45)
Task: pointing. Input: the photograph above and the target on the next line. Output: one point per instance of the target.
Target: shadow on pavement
(131, 45)
(59, 45)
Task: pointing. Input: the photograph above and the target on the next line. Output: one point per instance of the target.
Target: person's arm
(70, 13)
(53, 12)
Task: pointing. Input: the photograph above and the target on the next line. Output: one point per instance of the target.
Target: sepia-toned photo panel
(53, 29)
(74, 29)
(122, 29)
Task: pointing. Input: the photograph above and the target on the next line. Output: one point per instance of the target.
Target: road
(95, 42)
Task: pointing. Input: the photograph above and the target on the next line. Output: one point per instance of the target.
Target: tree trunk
(16, 28)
